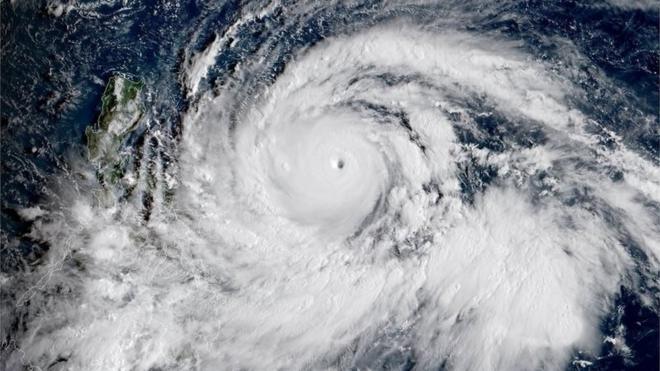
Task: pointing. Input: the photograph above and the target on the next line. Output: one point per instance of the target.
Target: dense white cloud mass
(322, 222)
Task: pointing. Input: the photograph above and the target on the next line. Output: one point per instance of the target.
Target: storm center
(338, 163)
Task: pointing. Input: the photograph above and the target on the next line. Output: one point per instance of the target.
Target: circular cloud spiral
(398, 197)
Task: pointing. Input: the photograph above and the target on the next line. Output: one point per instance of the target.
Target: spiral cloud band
(347, 142)
(401, 196)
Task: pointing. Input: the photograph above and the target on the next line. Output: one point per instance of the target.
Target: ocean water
(330, 185)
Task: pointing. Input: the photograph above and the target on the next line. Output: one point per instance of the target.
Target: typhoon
(331, 186)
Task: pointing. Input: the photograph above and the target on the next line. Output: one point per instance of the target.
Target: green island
(121, 110)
